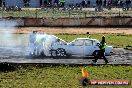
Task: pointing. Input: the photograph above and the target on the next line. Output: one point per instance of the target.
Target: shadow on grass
(6, 67)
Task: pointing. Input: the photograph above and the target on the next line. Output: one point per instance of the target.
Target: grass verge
(115, 40)
(61, 76)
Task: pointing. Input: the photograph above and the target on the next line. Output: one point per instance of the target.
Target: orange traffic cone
(84, 80)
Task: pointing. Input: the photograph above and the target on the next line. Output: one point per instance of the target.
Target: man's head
(103, 38)
(58, 40)
(34, 31)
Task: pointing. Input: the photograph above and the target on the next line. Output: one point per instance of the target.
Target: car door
(77, 47)
(88, 47)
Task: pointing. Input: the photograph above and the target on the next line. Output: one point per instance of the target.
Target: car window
(95, 42)
(60, 42)
(88, 42)
(78, 42)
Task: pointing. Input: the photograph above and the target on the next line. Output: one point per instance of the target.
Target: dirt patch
(57, 30)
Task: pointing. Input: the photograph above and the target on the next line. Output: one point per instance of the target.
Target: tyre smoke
(7, 29)
(41, 43)
(10, 44)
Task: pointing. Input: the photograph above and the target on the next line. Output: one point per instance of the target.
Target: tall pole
(36, 12)
(2, 8)
(119, 12)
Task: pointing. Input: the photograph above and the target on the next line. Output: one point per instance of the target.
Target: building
(9, 3)
(34, 3)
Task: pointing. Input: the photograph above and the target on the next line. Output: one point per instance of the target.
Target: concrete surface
(19, 56)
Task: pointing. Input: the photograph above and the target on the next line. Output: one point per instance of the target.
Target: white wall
(18, 3)
(34, 3)
(92, 3)
(74, 2)
(70, 2)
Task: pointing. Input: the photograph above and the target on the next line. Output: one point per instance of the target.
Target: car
(81, 47)
(51, 45)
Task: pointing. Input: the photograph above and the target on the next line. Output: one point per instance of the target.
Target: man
(101, 53)
(109, 4)
(62, 3)
(32, 37)
(84, 3)
(32, 43)
(128, 2)
(99, 5)
(104, 4)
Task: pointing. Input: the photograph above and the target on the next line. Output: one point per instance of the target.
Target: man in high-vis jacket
(62, 3)
(101, 53)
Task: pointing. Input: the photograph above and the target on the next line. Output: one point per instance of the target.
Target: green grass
(116, 40)
(69, 76)
(61, 76)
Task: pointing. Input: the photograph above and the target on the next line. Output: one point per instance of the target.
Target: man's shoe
(106, 62)
(94, 61)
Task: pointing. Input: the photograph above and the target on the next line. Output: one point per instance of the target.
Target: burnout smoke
(6, 30)
(10, 44)
(41, 43)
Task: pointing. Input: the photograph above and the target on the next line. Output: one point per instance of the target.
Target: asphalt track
(18, 55)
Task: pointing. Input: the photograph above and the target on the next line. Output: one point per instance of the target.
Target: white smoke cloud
(9, 41)
(7, 23)
(7, 27)
(43, 43)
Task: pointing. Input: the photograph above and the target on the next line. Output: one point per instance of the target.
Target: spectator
(32, 43)
(88, 3)
(128, 2)
(84, 3)
(62, 3)
(104, 4)
(99, 5)
(109, 4)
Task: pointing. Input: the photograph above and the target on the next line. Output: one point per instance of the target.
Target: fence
(63, 12)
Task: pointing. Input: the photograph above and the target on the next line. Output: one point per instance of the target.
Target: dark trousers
(101, 54)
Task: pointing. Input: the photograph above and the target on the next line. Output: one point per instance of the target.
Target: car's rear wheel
(53, 53)
(60, 52)
(42, 54)
(33, 53)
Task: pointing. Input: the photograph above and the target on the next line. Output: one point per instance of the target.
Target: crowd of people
(49, 3)
(98, 4)
(87, 3)
(125, 4)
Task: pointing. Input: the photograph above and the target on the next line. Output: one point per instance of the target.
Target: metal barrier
(63, 12)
